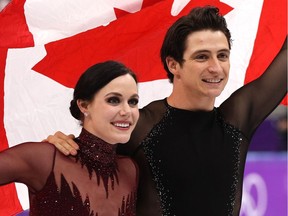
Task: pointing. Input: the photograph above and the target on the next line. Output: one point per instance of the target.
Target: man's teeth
(212, 80)
(124, 125)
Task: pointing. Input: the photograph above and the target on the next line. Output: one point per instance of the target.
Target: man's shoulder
(154, 107)
(151, 114)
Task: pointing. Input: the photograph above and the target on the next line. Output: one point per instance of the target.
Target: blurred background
(271, 136)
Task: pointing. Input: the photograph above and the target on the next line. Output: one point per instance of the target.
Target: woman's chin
(124, 139)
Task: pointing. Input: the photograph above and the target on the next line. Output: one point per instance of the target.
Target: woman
(97, 181)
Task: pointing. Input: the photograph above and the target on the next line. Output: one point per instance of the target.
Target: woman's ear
(172, 65)
(82, 104)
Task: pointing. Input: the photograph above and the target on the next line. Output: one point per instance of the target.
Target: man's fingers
(63, 143)
(66, 147)
(72, 142)
(71, 136)
(62, 149)
(61, 135)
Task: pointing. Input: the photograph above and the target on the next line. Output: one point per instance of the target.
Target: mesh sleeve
(28, 163)
(247, 107)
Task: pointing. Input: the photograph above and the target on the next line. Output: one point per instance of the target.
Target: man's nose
(214, 65)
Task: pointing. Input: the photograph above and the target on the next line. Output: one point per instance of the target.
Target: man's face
(205, 70)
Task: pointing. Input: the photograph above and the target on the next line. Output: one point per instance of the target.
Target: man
(191, 155)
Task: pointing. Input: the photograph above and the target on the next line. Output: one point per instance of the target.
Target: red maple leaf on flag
(134, 39)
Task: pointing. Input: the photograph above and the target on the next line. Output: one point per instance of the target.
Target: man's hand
(64, 143)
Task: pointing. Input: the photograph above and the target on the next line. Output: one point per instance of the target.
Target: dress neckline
(99, 157)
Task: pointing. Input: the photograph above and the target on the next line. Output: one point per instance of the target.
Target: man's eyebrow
(224, 50)
(206, 50)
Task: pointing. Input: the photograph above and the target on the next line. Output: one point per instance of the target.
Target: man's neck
(190, 102)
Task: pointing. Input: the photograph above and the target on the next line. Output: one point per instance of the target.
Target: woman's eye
(113, 100)
(133, 101)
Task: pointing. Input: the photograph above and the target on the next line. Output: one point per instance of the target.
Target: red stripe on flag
(14, 32)
(272, 31)
(3, 139)
(8, 194)
(134, 39)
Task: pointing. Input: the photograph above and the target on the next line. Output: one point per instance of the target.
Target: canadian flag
(45, 45)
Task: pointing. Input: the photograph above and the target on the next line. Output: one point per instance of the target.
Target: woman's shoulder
(128, 167)
(37, 152)
(127, 162)
(33, 148)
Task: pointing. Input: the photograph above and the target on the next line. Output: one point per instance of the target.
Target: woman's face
(113, 113)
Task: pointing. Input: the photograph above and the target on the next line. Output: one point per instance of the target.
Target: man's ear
(172, 65)
(82, 104)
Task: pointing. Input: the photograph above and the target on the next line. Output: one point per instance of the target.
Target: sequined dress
(97, 182)
(192, 162)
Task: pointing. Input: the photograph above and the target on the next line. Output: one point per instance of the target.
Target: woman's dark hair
(199, 18)
(94, 79)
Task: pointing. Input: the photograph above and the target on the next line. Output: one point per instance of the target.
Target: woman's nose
(125, 109)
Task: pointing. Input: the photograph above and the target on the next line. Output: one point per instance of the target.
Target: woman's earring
(85, 114)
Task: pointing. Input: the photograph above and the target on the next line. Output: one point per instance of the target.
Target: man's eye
(133, 101)
(223, 56)
(113, 100)
(201, 57)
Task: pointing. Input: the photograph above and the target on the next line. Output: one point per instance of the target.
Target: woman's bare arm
(28, 163)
